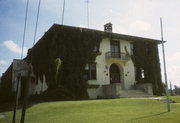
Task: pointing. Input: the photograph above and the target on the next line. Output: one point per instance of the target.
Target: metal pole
(37, 18)
(63, 11)
(165, 74)
(24, 34)
(87, 13)
(25, 98)
(16, 100)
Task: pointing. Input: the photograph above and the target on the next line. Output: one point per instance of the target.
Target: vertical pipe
(164, 61)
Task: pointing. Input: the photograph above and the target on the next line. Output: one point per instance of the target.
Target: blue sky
(132, 17)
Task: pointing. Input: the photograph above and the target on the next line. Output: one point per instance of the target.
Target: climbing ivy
(74, 47)
(146, 59)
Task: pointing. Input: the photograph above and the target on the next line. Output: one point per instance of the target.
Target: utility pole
(165, 73)
(16, 98)
(25, 81)
(18, 82)
(25, 23)
(37, 18)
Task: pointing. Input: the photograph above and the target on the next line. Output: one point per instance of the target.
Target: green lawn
(100, 111)
(175, 98)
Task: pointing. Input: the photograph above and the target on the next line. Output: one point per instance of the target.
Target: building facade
(113, 66)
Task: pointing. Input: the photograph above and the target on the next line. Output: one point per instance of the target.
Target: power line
(37, 18)
(24, 34)
(63, 11)
(26, 87)
(17, 86)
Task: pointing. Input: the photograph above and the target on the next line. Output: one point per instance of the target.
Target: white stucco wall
(39, 87)
(103, 66)
(34, 88)
(95, 92)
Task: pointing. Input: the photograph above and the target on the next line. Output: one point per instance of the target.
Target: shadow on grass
(9, 106)
(148, 116)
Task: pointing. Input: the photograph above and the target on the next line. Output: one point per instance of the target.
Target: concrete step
(134, 93)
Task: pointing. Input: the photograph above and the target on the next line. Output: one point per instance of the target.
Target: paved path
(2, 116)
(176, 103)
(156, 98)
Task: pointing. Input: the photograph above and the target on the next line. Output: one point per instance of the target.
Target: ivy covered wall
(6, 94)
(61, 56)
(147, 64)
(62, 53)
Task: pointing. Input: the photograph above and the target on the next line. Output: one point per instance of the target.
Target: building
(99, 64)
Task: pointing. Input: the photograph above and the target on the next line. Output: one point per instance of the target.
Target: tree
(177, 90)
(0, 82)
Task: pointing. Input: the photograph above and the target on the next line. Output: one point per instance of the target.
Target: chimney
(108, 27)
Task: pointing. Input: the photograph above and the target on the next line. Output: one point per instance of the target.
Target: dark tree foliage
(146, 59)
(74, 46)
(176, 90)
(6, 94)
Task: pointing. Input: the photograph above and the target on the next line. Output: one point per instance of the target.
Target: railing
(118, 55)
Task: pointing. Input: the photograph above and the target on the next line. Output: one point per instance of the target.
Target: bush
(6, 96)
(56, 94)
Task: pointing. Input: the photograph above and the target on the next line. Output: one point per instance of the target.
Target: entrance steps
(132, 93)
(115, 90)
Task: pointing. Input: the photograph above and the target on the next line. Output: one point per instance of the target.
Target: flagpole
(87, 13)
(165, 73)
(63, 12)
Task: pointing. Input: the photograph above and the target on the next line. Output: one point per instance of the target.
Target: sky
(131, 17)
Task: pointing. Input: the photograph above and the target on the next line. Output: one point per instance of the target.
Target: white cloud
(3, 62)
(12, 46)
(140, 26)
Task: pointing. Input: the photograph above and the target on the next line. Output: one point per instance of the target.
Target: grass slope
(100, 111)
(175, 98)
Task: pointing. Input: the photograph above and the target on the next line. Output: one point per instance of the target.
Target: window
(142, 73)
(90, 71)
(95, 49)
(115, 49)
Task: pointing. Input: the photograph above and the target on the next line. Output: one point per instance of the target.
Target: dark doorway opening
(114, 74)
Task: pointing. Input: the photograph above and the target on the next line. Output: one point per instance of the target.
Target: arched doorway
(114, 74)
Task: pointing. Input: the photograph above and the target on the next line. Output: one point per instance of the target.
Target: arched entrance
(114, 74)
